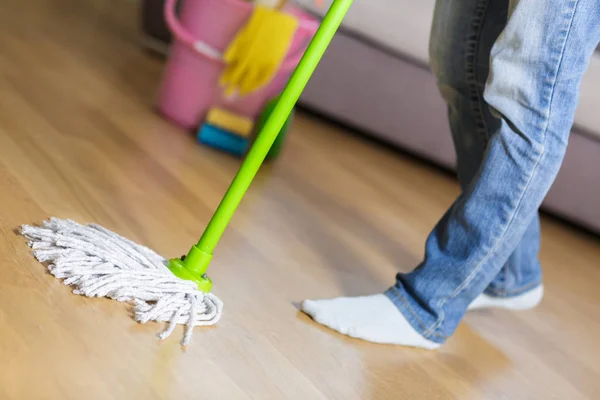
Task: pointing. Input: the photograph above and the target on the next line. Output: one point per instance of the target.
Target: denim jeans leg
(532, 89)
(461, 40)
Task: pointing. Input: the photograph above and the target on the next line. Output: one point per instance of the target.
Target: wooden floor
(334, 216)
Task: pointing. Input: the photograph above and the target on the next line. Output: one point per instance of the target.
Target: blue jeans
(510, 73)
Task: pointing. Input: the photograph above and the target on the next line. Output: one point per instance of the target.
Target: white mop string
(97, 262)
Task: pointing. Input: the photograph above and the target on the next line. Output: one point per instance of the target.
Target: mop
(99, 263)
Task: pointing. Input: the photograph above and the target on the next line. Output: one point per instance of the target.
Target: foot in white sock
(524, 301)
(372, 318)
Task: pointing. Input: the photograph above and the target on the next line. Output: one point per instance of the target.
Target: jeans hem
(411, 316)
(514, 291)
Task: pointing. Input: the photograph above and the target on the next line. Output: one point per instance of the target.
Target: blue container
(223, 140)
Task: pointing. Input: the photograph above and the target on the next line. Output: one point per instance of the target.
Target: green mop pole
(194, 265)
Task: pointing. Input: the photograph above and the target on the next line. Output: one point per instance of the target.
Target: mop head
(100, 263)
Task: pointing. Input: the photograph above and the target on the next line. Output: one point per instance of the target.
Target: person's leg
(462, 36)
(533, 86)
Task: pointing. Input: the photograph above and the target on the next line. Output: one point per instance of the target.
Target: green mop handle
(200, 255)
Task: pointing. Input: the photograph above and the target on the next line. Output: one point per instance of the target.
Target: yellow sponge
(236, 124)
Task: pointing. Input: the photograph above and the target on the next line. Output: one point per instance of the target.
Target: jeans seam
(540, 156)
(558, 67)
(475, 95)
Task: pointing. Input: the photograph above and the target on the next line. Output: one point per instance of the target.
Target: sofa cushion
(401, 25)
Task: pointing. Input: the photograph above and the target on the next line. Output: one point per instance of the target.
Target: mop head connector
(192, 267)
(97, 262)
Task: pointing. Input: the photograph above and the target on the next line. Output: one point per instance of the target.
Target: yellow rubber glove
(257, 51)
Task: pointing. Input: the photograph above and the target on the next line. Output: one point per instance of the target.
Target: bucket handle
(204, 49)
(197, 46)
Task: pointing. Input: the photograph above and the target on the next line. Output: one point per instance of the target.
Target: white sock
(372, 318)
(524, 301)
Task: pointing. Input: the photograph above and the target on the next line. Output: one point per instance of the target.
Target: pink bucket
(190, 80)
